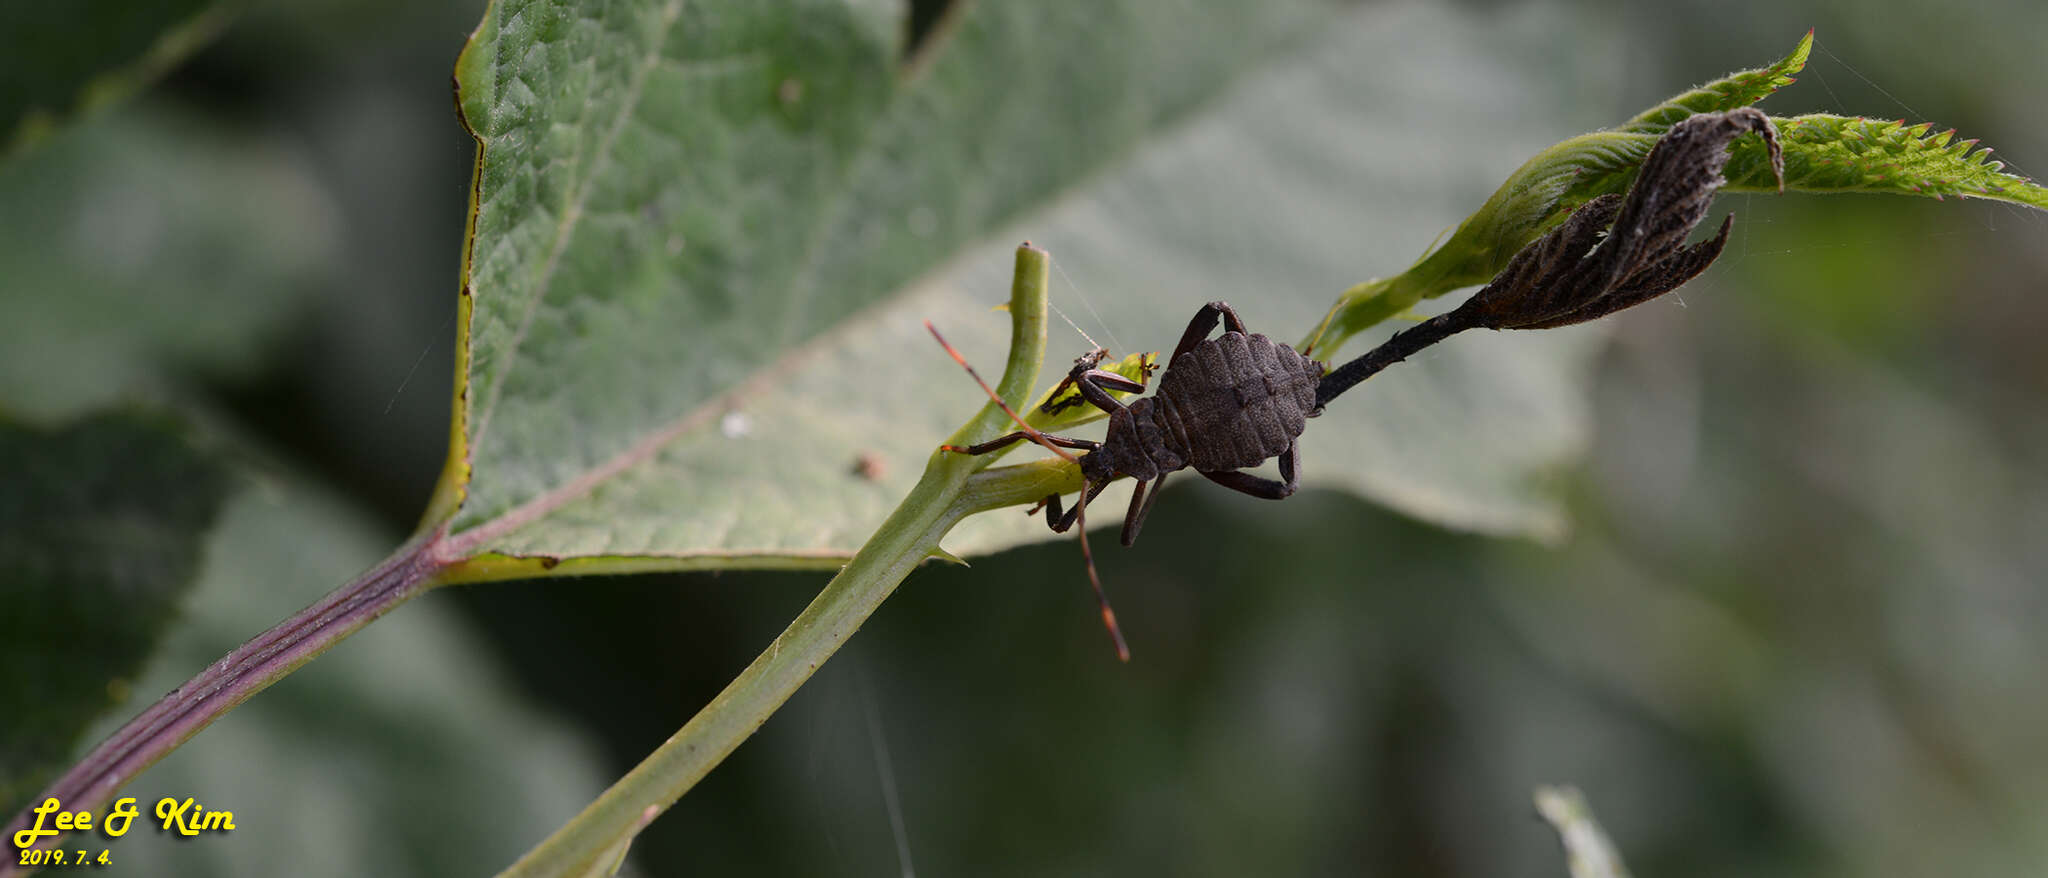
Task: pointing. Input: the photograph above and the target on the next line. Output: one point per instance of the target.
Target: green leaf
(952, 486)
(705, 242)
(101, 525)
(1606, 161)
(127, 267)
(1595, 164)
(1537, 195)
(66, 59)
(1825, 153)
(403, 752)
(1822, 154)
(1741, 89)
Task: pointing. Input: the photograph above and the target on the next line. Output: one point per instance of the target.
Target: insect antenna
(1116, 634)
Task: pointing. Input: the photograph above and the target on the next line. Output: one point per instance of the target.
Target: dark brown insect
(1224, 404)
(1241, 399)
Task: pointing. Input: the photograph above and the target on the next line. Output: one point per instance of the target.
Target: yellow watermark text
(183, 816)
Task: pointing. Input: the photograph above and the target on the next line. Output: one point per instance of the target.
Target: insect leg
(1061, 519)
(1108, 380)
(1091, 389)
(1290, 466)
(1267, 489)
(1134, 520)
(1007, 439)
(1085, 379)
(1131, 523)
(1204, 322)
(1244, 482)
(1083, 364)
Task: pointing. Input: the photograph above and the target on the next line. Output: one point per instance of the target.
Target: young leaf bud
(1564, 278)
(1572, 274)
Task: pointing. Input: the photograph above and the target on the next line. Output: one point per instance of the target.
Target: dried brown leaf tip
(1572, 275)
(1613, 252)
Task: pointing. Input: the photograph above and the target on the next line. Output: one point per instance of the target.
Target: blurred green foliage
(68, 59)
(1797, 628)
(101, 525)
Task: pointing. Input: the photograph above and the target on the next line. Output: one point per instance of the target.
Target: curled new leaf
(1533, 197)
(1549, 284)
(1572, 274)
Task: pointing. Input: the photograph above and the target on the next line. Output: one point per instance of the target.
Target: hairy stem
(594, 839)
(250, 669)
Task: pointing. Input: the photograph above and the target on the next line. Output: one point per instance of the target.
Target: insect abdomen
(1239, 399)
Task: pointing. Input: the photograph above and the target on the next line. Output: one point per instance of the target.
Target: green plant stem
(593, 840)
